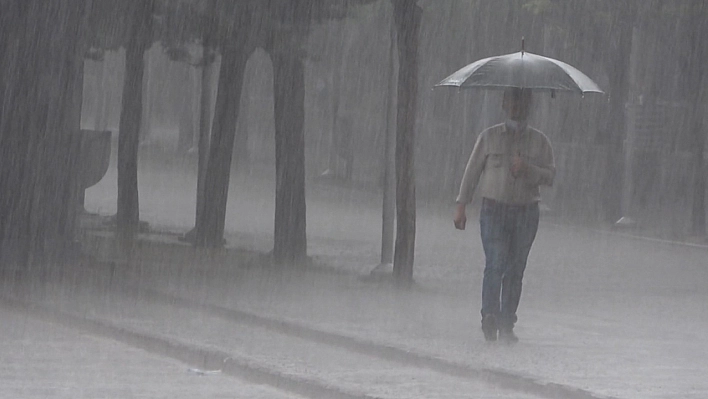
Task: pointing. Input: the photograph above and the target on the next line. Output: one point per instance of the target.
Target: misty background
(168, 166)
(638, 52)
(206, 87)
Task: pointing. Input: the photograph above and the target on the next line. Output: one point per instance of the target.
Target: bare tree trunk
(696, 85)
(140, 38)
(210, 224)
(41, 84)
(62, 127)
(698, 210)
(630, 134)
(205, 122)
(208, 66)
(19, 75)
(614, 132)
(388, 209)
(146, 119)
(290, 240)
(407, 16)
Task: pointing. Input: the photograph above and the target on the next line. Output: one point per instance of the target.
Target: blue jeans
(508, 231)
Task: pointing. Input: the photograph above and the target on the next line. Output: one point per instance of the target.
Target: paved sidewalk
(601, 342)
(603, 312)
(619, 353)
(43, 360)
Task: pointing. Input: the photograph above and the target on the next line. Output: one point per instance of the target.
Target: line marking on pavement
(188, 353)
(628, 236)
(501, 378)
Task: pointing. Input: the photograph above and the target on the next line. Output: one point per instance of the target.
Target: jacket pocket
(495, 160)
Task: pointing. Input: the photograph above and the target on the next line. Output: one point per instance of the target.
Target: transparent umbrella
(523, 70)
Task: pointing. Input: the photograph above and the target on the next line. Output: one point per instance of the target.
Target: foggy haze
(255, 199)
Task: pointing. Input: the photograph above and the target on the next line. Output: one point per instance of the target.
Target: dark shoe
(489, 327)
(507, 335)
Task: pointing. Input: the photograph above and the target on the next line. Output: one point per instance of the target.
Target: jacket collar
(515, 126)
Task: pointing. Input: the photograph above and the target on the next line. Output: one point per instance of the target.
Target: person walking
(509, 163)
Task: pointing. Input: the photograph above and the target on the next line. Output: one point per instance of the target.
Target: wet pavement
(42, 359)
(374, 339)
(602, 314)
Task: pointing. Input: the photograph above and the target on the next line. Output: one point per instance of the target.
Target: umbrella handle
(522, 45)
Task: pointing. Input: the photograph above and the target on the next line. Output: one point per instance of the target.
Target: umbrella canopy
(523, 70)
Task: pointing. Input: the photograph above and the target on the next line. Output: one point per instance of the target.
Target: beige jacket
(489, 168)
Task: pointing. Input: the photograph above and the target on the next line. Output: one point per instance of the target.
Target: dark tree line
(37, 174)
(44, 43)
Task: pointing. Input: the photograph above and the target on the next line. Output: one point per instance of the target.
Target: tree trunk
(407, 17)
(619, 69)
(210, 224)
(19, 74)
(388, 208)
(208, 66)
(697, 96)
(41, 84)
(698, 210)
(205, 121)
(146, 116)
(128, 214)
(290, 239)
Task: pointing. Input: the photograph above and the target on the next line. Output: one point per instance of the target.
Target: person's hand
(519, 167)
(460, 217)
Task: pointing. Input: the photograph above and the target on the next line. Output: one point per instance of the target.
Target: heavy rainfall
(283, 199)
